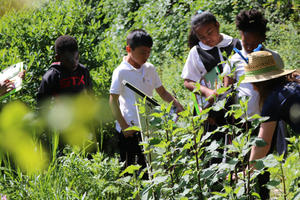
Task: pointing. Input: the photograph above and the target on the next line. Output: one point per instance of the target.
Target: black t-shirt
(59, 81)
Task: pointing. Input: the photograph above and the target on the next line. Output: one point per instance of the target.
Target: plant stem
(169, 157)
(283, 181)
(149, 154)
(197, 160)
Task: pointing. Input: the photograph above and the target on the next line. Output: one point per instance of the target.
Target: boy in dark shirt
(66, 76)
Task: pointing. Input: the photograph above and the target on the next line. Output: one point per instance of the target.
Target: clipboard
(210, 80)
(144, 120)
(151, 100)
(12, 73)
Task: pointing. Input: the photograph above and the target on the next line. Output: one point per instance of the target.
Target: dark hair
(199, 19)
(139, 37)
(252, 21)
(266, 87)
(65, 43)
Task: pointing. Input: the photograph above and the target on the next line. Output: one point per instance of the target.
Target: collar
(224, 43)
(128, 66)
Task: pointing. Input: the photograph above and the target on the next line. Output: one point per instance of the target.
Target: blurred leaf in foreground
(17, 140)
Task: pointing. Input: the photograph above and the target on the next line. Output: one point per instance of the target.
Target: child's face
(209, 34)
(139, 55)
(69, 60)
(251, 40)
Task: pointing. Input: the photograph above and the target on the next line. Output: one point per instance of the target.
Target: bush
(70, 177)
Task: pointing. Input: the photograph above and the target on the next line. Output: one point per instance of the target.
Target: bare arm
(166, 96)
(189, 84)
(266, 132)
(114, 105)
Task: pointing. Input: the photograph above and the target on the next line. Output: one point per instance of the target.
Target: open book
(12, 73)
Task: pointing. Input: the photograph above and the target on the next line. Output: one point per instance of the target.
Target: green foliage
(275, 10)
(284, 38)
(14, 5)
(70, 177)
(29, 36)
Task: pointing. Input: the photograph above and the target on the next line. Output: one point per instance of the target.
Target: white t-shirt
(145, 79)
(246, 89)
(194, 68)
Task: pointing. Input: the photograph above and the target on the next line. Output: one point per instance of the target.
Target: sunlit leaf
(131, 169)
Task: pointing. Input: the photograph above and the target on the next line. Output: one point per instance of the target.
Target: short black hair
(202, 18)
(139, 37)
(199, 19)
(65, 43)
(251, 21)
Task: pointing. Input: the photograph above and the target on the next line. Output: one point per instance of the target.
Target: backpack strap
(229, 49)
(211, 58)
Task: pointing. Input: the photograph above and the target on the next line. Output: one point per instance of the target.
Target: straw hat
(262, 67)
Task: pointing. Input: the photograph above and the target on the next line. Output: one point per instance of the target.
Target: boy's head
(139, 44)
(139, 37)
(66, 52)
(253, 27)
(206, 28)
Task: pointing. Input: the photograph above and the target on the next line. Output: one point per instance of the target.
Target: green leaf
(279, 158)
(222, 90)
(273, 183)
(255, 116)
(239, 191)
(259, 142)
(131, 169)
(133, 128)
(219, 105)
(254, 194)
(156, 114)
(160, 179)
(296, 196)
(154, 141)
(270, 161)
(228, 189)
(220, 194)
(259, 164)
(207, 173)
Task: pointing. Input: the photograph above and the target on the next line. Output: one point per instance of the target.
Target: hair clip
(199, 11)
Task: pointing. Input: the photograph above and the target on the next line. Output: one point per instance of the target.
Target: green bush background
(101, 27)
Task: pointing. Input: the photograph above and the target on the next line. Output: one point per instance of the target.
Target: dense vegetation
(100, 27)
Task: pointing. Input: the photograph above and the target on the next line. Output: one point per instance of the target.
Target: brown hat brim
(267, 76)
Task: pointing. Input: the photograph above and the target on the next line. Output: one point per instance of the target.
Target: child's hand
(295, 77)
(211, 95)
(6, 86)
(22, 74)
